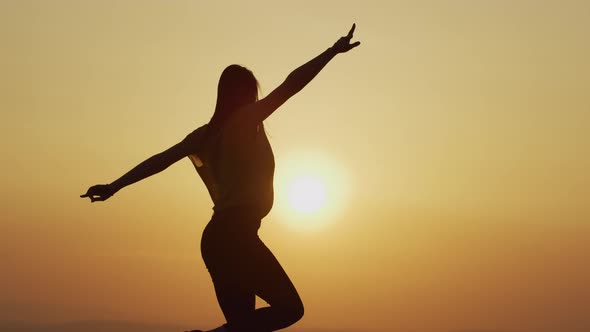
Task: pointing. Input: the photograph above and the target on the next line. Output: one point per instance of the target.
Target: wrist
(115, 187)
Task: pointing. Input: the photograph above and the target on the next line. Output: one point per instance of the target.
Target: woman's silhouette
(234, 159)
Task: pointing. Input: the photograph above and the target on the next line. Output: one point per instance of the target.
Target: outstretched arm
(149, 167)
(298, 79)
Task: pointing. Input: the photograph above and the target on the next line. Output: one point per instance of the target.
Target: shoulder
(195, 140)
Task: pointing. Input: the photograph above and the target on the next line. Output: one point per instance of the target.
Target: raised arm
(298, 79)
(147, 168)
(191, 144)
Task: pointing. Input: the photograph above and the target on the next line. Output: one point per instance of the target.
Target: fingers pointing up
(349, 36)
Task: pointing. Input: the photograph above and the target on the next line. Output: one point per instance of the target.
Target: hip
(231, 226)
(231, 239)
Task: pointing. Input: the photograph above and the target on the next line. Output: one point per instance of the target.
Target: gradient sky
(461, 128)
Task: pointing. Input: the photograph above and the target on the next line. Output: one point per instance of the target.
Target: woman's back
(237, 170)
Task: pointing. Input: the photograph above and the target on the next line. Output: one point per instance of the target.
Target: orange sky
(461, 130)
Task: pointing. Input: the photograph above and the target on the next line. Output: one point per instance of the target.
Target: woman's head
(237, 87)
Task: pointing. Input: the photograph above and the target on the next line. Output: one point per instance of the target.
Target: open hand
(99, 192)
(343, 44)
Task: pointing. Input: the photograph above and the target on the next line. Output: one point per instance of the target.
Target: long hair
(237, 87)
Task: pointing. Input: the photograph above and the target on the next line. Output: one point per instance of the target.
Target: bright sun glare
(306, 194)
(310, 190)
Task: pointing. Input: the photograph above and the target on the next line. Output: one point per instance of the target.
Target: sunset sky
(452, 148)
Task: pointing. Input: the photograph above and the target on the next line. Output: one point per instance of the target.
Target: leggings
(242, 267)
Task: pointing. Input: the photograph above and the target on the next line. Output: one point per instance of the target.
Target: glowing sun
(310, 190)
(306, 194)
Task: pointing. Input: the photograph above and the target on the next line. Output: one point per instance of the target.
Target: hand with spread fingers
(343, 44)
(99, 192)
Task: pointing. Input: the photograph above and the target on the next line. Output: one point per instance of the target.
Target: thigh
(228, 255)
(236, 303)
(273, 285)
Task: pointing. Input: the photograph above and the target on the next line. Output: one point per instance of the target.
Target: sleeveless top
(237, 174)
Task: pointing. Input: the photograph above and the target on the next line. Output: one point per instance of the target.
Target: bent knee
(299, 311)
(295, 310)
